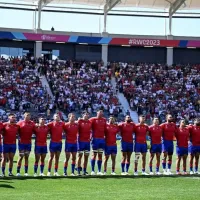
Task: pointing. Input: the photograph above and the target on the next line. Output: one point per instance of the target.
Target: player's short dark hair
(143, 116)
(84, 113)
(27, 113)
(11, 114)
(100, 110)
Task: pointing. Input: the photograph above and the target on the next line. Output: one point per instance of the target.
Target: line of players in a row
(102, 137)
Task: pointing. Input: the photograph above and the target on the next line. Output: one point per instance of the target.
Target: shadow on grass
(6, 186)
(3, 181)
(99, 177)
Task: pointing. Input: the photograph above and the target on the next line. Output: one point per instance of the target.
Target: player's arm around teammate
(10, 131)
(41, 131)
(71, 130)
(182, 137)
(155, 133)
(111, 146)
(84, 142)
(126, 130)
(141, 131)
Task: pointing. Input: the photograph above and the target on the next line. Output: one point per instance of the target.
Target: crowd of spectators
(153, 90)
(82, 86)
(156, 90)
(20, 88)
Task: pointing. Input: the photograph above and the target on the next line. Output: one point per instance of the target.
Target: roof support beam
(173, 8)
(39, 14)
(107, 7)
(41, 5)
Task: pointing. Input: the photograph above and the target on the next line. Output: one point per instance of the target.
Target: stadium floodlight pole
(173, 8)
(107, 7)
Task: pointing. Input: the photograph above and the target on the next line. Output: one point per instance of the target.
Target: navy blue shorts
(156, 148)
(98, 144)
(24, 147)
(110, 150)
(71, 147)
(194, 149)
(181, 151)
(126, 146)
(9, 148)
(168, 146)
(1, 148)
(140, 148)
(55, 147)
(83, 146)
(40, 149)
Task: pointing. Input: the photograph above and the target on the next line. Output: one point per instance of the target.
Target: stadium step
(46, 84)
(123, 101)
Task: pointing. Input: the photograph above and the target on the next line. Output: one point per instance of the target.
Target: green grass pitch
(100, 188)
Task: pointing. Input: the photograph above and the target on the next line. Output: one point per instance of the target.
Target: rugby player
(10, 131)
(194, 148)
(1, 127)
(169, 129)
(155, 133)
(84, 142)
(56, 128)
(25, 135)
(98, 140)
(126, 131)
(141, 131)
(182, 137)
(41, 131)
(71, 130)
(111, 146)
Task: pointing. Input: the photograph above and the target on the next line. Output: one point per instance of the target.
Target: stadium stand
(155, 90)
(80, 86)
(20, 88)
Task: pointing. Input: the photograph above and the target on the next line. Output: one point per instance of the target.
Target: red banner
(144, 42)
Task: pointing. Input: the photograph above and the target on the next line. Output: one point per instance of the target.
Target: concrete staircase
(123, 101)
(45, 84)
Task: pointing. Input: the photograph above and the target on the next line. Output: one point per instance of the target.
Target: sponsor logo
(144, 42)
(47, 37)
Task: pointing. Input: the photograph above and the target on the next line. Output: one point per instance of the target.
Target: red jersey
(26, 131)
(155, 132)
(182, 137)
(71, 130)
(169, 130)
(111, 132)
(41, 133)
(141, 133)
(1, 127)
(10, 132)
(84, 130)
(127, 130)
(195, 135)
(56, 130)
(98, 127)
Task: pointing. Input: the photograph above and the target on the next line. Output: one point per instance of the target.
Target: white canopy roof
(154, 4)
